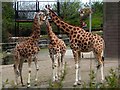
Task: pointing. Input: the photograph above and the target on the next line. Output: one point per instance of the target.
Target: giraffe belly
(85, 49)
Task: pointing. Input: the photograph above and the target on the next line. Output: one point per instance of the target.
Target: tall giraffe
(57, 50)
(28, 49)
(80, 41)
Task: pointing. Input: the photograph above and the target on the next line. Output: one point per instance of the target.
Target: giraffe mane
(60, 17)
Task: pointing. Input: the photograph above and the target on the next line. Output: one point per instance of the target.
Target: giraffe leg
(16, 71)
(102, 74)
(96, 71)
(100, 65)
(16, 65)
(76, 56)
(37, 68)
(53, 66)
(20, 69)
(29, 72)
(79, 71)
(56, 67)
(62, 63)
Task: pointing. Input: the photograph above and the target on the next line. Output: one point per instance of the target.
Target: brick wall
(110, 28)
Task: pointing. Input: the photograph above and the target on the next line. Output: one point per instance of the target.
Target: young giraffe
(28, 49)
(80, 41)
(57, 50)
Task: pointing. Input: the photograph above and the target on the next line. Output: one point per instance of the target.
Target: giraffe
(57, 50)
(80, 41)
(28, 49)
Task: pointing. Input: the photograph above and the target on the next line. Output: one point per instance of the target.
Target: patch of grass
(112, 79)
(8, 84)
(92, 80)
(7, 58)
(1, 55)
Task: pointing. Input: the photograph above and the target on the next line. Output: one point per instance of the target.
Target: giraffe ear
(34, 15)
(46, 10)
(45, 6)
(49, 6)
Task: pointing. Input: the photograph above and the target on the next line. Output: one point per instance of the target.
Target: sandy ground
(45, 70)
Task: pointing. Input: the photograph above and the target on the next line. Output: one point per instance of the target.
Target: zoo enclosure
(25, 10)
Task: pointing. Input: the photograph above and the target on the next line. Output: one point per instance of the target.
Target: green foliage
(7, 20)
(112, 79)
(97, 15)
(7, 58)
(97, 7)
(69, 11)
(92, 79)
(25, 29)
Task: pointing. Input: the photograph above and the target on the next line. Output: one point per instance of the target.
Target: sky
(83, 1)
(45, 2)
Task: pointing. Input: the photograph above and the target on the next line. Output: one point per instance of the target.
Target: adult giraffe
(80, 41)
(28, 49)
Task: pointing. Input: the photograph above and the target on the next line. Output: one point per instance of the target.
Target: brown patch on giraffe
(74, 36)
(67, 29)
(70, 27)
(57, 21)
(78, 36)
(66, 24)
(62, 23)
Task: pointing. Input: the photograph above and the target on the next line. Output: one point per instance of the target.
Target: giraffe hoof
(16, 84)
(36, 84)
(28, 85)
(23, 85)
(93, 82)
(102, 81)
(79, 82)
(75, 84)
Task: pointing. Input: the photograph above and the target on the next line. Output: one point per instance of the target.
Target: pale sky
(84, 1)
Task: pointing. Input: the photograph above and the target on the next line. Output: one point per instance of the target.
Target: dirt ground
(45, 70)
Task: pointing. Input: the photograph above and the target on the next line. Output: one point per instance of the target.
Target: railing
(42, 44)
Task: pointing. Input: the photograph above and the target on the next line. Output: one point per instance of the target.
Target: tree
(7, 20)
(69, 11)
(97, 17)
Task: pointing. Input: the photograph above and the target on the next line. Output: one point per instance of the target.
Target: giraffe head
(40, 17)
(47, 10)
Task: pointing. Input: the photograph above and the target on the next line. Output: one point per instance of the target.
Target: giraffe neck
(67, 28)
(36, 29)
(51, 34)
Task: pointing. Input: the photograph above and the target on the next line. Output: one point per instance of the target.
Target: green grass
(1, 55)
